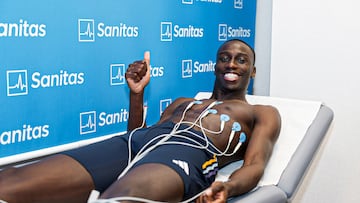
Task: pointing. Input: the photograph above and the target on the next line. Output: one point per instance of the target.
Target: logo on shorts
(183, 164)
(87, 122)
(210, 167)
(17, 83)
(117, 74)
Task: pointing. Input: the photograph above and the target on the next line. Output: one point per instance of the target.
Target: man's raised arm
(137, 77)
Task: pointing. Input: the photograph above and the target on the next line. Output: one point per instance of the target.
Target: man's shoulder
(267, 111)
(264, 106)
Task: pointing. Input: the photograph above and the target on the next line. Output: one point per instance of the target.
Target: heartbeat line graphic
(222, 32)
(19, 84)
(118, 76)
(167, 32)
(88, 32)
(16, 82)
(89, 124)
(187, 68)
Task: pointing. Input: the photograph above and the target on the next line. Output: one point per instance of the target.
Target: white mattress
(296, 117)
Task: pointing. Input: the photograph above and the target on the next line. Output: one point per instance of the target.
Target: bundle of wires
(163, 139)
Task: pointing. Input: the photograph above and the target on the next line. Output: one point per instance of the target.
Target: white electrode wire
(142, 152)
(197, 144)
(134, 130)
(224, 153)
(204, 137)
(197, 125)
(177, 125)
(175, 132)
(227, 149)
(198, 119)
(203, 130)
(165, 140)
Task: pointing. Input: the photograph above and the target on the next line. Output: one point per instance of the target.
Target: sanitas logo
(117, 73)
(22, 29)
(189, 67)
(168, 31)
(27, 133)
(17, 81)
(226, 32)
(89, 120)
(87, 30)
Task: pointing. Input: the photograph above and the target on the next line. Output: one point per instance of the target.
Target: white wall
(315, 56)
(263, 47)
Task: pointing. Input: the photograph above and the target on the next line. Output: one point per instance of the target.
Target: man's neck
(219, 95)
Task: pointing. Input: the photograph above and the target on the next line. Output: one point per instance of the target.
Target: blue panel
(62, 63)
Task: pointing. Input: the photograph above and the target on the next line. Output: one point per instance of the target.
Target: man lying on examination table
(174, 160)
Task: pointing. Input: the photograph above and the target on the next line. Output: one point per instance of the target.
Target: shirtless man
(69, 177)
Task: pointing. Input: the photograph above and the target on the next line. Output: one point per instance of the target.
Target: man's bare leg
(55, 179)
(150, 181)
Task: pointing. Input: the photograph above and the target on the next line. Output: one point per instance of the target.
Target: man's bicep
(264, 135)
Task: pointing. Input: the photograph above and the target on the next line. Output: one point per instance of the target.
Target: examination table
(304, 125)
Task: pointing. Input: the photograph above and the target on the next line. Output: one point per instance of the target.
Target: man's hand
(216, 193)
(138, 74)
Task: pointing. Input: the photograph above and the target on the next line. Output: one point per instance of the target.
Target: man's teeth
(230, 76)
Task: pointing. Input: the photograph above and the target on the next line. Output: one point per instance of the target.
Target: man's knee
(56, 177)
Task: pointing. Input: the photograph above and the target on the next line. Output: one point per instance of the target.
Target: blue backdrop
(62, 63)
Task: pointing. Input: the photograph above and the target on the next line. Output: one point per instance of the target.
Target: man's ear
(253, 72)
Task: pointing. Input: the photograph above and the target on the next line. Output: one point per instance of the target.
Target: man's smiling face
(234, 66)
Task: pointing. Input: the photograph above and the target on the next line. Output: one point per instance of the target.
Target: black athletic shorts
(105, 160)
